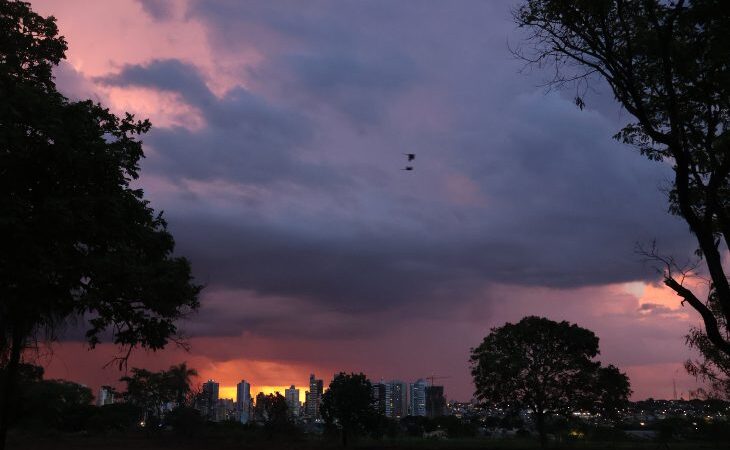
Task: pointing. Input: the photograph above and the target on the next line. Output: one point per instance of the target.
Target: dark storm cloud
(273, 317)
(334, 56)
(245, 140)
(167, 75)
(158, 9)
(358, 86)
(511, 186)
(563, 210)
(349, 273)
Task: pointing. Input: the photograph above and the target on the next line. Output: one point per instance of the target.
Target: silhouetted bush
(54, 404)
(118, 417)
(186, 421)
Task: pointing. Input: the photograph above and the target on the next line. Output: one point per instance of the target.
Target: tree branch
(711, 326)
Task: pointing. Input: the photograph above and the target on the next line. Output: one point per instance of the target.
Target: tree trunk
(703, 230)
(540, 423)
(8, 383)
(344, 437)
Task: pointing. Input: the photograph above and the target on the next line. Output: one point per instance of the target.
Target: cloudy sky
(279, 137)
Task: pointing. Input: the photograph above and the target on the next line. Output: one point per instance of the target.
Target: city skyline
(394, 399)
(276, 152)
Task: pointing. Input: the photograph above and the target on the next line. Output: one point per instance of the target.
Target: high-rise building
(396, 399)
(209, 399)
(292, 400)
(243, 401)
(106, 396)
(435, 401)
(314, 399)
(378, 390)
(417, 398)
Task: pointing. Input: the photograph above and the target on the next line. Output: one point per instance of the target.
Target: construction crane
(436, 377)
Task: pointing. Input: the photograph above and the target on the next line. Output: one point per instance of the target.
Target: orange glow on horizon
(230, 391)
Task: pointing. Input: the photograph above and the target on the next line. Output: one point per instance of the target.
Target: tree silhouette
(613, 389)
(179, 380)
(273, 411)
(77, 241)
(666, 63)
(349, 403)
(57, 404)
(546, 367)
(146, 390)
(151, 391)
(276, 410)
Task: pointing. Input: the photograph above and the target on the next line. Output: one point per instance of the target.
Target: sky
(279, 133)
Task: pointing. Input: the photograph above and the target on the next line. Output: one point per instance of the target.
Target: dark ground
(159, 442)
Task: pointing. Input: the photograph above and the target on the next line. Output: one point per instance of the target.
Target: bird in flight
(411, 157)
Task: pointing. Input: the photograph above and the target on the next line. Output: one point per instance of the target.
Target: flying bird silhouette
(407, 168)
(411, 156)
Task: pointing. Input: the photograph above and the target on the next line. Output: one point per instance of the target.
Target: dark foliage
(58, 404)
(349, 405)
(548, 368)
(77, 241)
(273, 411)
(186, 421)
(452, 426)
(151, 391)
(117, 417)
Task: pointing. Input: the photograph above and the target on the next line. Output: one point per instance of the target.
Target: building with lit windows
(417, 398)
(396, 399)
(314, 398)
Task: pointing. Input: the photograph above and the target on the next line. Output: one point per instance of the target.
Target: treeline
(163, 405)
(41, 405)
(151, 401)
(167, 402)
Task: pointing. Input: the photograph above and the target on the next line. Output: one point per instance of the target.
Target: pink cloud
(102, 36)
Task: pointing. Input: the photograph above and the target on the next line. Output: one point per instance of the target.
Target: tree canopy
(547, 367)
(666, 63)
(349, 404)
(273, 411)
(78, 241)
(153, 391)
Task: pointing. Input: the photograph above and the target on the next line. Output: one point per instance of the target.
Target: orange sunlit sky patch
(230, 391)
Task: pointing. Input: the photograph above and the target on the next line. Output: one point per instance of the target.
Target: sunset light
(444, 223)
(247, 156)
